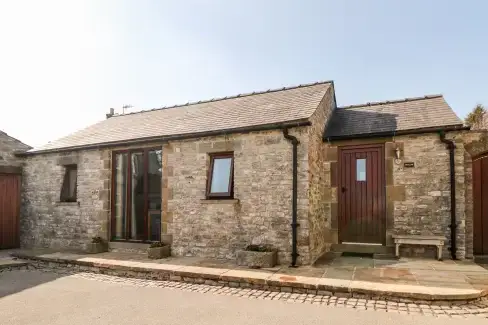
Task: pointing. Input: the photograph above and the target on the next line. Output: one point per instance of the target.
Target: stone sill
(67, 204)
(219, 201)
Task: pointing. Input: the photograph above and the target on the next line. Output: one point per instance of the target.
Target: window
(68, 191)
(136, 194)
(220, 182)
(361, 170)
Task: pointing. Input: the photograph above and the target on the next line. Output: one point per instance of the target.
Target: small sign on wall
(409, 164)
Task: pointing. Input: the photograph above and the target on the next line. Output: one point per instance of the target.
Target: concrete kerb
(259, 280)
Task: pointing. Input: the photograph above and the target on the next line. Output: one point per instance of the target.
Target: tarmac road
(44, 298)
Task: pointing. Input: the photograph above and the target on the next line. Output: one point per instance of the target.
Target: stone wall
(475, 143)
(425, 207)
(319, 179)
(8, 146)
(262, 209)
(47, 222)
(417, 198)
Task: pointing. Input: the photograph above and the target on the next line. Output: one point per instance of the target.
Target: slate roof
(391, 116)
(276, 106)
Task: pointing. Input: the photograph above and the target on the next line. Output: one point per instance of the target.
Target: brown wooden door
(361, 194)
(9, 210)
(480, 201)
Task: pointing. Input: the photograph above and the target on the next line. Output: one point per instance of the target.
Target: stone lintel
(68, 160)
(357, 142)
(10, 170)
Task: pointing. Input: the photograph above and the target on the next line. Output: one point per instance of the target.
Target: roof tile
(390, 116)
(244, 110)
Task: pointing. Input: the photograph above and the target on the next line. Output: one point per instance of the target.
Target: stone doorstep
(222, 276)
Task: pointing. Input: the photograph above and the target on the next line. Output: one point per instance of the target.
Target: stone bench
(419, 240)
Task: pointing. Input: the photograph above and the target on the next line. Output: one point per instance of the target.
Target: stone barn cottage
(283, 167)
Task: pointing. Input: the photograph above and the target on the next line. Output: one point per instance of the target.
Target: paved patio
(425, 278)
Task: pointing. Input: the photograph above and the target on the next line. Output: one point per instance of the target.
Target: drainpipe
(294, 225)
(451, 146)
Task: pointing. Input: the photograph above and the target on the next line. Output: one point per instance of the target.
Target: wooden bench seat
(437, 241)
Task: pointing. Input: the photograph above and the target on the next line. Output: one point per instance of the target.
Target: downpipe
(294, 225)
(451, 146)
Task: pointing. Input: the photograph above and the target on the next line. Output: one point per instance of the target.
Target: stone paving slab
(9, 262)
(274, 280)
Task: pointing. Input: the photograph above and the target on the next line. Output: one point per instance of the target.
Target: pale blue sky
(63, 64)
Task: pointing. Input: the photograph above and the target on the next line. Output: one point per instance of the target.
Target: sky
(64, 64)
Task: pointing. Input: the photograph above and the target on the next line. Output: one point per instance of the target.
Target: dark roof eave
(457, 127)
(247, 129)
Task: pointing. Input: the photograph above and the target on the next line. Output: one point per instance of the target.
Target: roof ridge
(271, 90)
(407, 99)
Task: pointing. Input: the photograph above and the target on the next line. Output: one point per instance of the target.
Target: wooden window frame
(230, 192)
(64, 195)
(129, 152)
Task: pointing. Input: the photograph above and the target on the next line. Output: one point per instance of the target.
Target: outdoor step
(232, 277)
(381, 256)
(128, 247)
(362, 249)
(481, 259)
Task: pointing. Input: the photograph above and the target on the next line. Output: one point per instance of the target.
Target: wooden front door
(9, 210)
(480, 202)
(361, 194)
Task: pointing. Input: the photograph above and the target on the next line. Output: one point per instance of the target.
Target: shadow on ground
(15, 281)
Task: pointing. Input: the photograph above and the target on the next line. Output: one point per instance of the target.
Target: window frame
(65, 187)
(129, 198)
(230, 191)
(358, 172)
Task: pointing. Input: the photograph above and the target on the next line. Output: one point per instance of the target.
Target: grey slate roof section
(244, 110)
(391, 116)
(8, 147)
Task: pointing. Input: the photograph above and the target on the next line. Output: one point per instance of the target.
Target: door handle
(343, 189)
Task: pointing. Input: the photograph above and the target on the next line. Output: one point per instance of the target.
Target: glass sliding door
(119, 205)
(154, 175)
(136, 195)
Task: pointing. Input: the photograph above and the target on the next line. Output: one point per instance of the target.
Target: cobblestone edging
(223, 281)
(471, 310)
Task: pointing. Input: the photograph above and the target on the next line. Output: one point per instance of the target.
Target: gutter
(397, 133)
(452, 172)
(166, 138)
(294, 224)
(451, 146)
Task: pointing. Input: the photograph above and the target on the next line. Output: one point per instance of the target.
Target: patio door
(136, 195)
(361, 194)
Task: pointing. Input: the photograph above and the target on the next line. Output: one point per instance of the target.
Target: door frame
(381, 181)
(480, 207)
(128, 223)
(14, 240)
